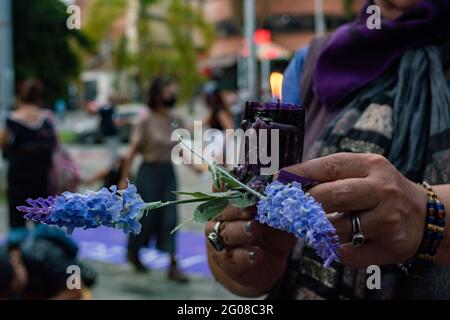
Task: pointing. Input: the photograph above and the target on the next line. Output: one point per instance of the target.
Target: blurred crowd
(34, 258)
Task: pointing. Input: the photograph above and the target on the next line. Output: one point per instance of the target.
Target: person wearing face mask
(155, 179)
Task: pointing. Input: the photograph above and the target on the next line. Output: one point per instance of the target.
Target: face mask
(169, 102)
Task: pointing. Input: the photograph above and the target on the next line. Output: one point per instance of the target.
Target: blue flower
(288, 208)
(120, 209)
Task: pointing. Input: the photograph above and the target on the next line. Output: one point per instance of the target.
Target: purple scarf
(355, 55)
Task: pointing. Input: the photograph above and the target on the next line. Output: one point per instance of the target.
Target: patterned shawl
(405, 116)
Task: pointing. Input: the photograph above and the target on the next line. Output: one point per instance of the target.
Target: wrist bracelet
(434, 233)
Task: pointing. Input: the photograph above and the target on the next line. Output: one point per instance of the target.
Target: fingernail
(252, 256)
(286, 177)
(248, 227)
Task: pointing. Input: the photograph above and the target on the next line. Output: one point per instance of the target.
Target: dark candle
(289, 119)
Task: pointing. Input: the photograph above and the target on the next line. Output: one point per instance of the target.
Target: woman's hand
(131, 153)
(391, 208)
(255, 256)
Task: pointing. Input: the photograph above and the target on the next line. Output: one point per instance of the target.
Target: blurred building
(291, 24)
(99, 77)
(283, 26)
(147, 31)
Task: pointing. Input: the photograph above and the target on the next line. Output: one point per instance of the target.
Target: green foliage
(347, 8)
(177, 55)
(44, 47)
(67, 137)
(102, 15)
(212, 204)
(238, 10)
(243, 201)
(174, 54)
(209, 210)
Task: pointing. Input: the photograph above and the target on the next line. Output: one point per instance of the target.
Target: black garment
(29, 153)
(215, 122)
(156, 182)
(113, 177)
(107, 126)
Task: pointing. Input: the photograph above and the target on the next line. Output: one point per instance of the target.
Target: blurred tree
(347, 6)
(238, 10)
(111, 46)
(102, 15)
(171, 34)
(44, 47)
(188, 35)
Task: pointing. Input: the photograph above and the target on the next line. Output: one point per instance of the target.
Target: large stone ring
(214, 237)
(358, 236)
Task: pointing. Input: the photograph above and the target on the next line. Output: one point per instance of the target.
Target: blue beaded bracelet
(433, 236)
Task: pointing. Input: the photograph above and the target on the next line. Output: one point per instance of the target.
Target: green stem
(243, 185)
(181, 225)
(223, 170)
(168, 203)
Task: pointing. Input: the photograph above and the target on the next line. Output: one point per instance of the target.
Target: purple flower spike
(289, 208)
(40, 209)
(108, 207)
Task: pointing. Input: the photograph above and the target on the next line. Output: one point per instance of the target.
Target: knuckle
(221, 260)
(225, 237)
(228, 233)
(342, 196)
(229, 213)
(223, 232)
(393, 218)
(376, 160)
(390, 191)
(245, 214)
(391, 224)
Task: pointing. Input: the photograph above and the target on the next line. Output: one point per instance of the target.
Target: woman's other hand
(391, 208)
(255, 256)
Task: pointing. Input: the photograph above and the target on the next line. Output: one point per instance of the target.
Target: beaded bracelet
(434, 233)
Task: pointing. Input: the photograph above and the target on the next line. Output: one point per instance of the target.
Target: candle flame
(276, 82)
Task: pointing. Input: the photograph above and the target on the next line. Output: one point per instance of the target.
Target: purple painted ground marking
(109, 245)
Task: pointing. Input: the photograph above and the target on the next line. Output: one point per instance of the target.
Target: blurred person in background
(156, 176)
(60, 109)
(35, 265)
(378, 123)
(108, 127)
(109, 176)
(219, 118)
(28, 142)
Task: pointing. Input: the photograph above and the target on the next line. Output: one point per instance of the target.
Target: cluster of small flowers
(285, 206)
(289, 208)
(119, 209)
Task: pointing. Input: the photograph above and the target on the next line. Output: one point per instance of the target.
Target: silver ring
(214, 237)
(217, 227)
(358, 237)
